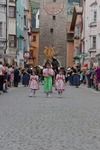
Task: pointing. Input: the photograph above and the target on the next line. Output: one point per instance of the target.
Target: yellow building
(34, 48)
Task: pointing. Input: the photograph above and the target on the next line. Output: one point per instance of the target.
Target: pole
(66, 51)
(17, 52)
(6, 28)
(6, 23)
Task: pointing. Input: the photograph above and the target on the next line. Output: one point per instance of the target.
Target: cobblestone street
(39, 123)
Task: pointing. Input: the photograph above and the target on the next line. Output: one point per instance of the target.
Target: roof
(68, 27)
(77, 11)
(35, 4)
(94, 3)
(81, 3)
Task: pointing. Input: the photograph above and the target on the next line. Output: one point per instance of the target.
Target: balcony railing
(26, 27)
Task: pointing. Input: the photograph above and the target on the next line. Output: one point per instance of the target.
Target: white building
(3, 27)
(91, 32)
(37, 18)
(12, 39)
(35, 14)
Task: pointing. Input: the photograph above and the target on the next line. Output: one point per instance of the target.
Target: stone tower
(53, 29)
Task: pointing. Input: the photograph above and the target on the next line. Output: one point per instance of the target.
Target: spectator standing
(16, 77)
(25, 78)
(2, 69)
(98, 76)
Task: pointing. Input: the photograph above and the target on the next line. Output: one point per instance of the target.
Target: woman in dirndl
(76, 78)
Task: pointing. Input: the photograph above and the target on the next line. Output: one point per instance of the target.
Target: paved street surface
(68, 123)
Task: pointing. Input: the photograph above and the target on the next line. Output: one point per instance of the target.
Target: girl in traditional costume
(60, 82)
(48, 73)
(33, 84)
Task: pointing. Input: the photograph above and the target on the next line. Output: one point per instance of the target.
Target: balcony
(2, 45)
(93, 24)
(3, 2)
(26, 27)
(26, 10)
(2, 39)
(92, 49)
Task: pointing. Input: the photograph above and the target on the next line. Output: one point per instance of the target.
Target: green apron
(47, 84)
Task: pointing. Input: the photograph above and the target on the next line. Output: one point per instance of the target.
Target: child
(59, 82)
(5, 86)
(33, 84)
(48, 73)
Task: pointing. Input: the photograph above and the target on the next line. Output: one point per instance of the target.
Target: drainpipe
(6, 26)
(17, 38)
(16, 33)
(6, 29)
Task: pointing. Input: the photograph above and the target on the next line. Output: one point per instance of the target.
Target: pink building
(91, 32)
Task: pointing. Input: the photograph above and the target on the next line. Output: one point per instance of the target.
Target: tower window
(54, 17)
(51, 30)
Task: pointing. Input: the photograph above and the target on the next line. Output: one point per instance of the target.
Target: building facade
(12, 39)
(53, 29)
(3, 27)
(27, 30)
(91, 32)
(34, 48)
(20, 32)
